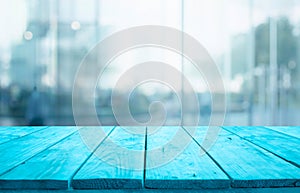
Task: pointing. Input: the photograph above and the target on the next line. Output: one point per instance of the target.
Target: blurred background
(255, 43)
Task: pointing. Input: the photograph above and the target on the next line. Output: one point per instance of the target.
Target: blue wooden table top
(170, 157)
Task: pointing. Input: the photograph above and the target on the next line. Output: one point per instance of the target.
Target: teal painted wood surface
(9, 133)
(249, 165)
(68, 158)
(54, 167)
(178, 163)
(285, 146)
(292, 131)
(17, 151)
(117, 163)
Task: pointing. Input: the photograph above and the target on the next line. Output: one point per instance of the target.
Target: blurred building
(257, 52)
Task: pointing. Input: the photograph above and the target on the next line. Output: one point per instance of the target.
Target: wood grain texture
(249, 165)
(280, 144)
(54, 167)
(292, 131)
(9, 133)
(49, 158)
(178, 163)
(117, 163)
(17, 151)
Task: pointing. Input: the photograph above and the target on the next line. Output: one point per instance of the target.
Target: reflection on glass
(43, 42)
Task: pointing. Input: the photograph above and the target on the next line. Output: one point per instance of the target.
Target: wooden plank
(54, 167)
(3, 128)
(9, 133)
(17, 151)
(117, 163)
(280, 144)
(292, 131)
(177, 162)
(249, 165)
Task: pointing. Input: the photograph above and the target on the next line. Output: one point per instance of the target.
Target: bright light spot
(236, 84)
(47, 80)
(4, 81)
(28, 35)
(75, 25)
(259, 71)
